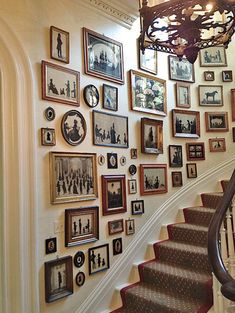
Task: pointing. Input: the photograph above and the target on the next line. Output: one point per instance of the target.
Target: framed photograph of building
(73, 177)
(209, 75)
(98, 259)
(48, 137)
(110, 97)
(137, 207)
(113, 194)
(59, 40)
(181, 70)
(217, 144)
(117, 246)
(227, 76)
(103, 57)
(216, 121)
(185, 124)
(153, 179)
(58, 278)
(175, 156)
(183, 96)
(191, 170)
(151, 136)
(210, 95)
(195, 151)
(115, 227)
(60, 84)
(213, 56)
(81, 226)
(130, 226)
(177, 180)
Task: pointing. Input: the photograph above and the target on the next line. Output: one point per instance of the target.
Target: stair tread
(190, 226)
(202, 209)
(183, 246)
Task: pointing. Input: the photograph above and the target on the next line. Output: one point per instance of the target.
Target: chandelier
(184, 27)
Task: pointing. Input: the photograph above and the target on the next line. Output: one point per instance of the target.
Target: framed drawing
(153, 179)
(98, 259)
(227, 76)
(183, 96)
(130, 226)
(91, 95)
(148, 93)
(110, 130)
(81, 226)
(117, 246)
(60, 84)
(80, 279)
(191, 170)
(110, 97)
(151, 136)
(185, 124)
(79, 259)
(217, 144)
(59, 40)
(195, 151)
(73, 127)
(177, 180)
(213, 56)
(181, 70)
(216, 121)
(115, 227)
(148, 60)
(58, 278)
(51, 245)
(175, 156)
(103, 57)
(210, 95)
(132, 186)
(113, 194)
(48, 137)
(73, 177)
(112, 160)
(209, 76)
(137, 207)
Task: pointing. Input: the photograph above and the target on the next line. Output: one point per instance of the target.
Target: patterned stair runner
(179, 279)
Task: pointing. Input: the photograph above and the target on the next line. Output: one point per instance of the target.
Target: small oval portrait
(91, 96)
(49, 114)
(80, 279)
(79, 259)
(132, 169)
(73, 127)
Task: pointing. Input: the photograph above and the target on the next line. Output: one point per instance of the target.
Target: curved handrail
(221, 273)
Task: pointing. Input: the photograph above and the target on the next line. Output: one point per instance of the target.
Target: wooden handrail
(220, 272)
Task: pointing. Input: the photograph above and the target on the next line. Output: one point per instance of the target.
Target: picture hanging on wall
(181, 70)
(177, 180)
(59, 40)
(110, 97)
(51, 245)
(183, 96)
(210, 95)
(48, 137)
(185, 124)
(130, 226)
(209, 75)
(213, 56)
(73, 177)
(217, 144)
(103, 56)
(216, 121)
(117, 246)
(115, 227)
(195, 151)
(80, 279)
(91, 95)
(137, 207)
(98, 259)
(148, 60)
(191, 170)
(227, 76)
(132, 186)
(151, 136)
(175, 156)
(60, 84)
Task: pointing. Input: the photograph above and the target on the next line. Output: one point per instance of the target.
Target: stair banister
(215, 258)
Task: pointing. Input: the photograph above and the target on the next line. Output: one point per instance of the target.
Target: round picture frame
(49, 114)
(80, 279)
(91, 95)
(79, 259)
(73, 127)
(132, 169)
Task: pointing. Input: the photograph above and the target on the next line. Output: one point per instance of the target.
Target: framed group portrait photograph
(210, 95)
(98, 259)
(185, 123)
(151, 136)
(213, 56)
(59, 44)
(175, 156)
(181, 70)
(195, 151)
(216, 121)
(153, 179)
(183, 96)
(217, 145)
(110, 97)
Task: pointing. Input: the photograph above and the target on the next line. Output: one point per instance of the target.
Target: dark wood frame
(177, 179)
(87, 35)
(171, 155)
(44, 140)
(51, 245)
(128, 231)
(110, 227)
(66, 44)
(68, 290)
(134, 153)
(86, 237)
(214, 114)
(115, 251)
(233, 104)
(195, 151)
(195, 114)
(205, 64)
(177, 89)
(79, 259)
(207, 87)
(230, 76)
(112, 156)
(105, 86)
(152, 191)
(90, 258)
(80, 279)
(209, 76)
(189, 174)
(106, 179)
(222, 147)
(184, 60)
(94, 89)
(158, 140)
(133, 212)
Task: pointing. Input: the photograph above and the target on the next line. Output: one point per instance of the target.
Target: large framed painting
(73, 177)
(148, 93)
(210, 95)
(110, 130)
(216, 121)
(181, 70)
(60, 84)
(213, 56)
(185, 124)
(103, 56)
(59, 40)
(153, 179)
(151, 136)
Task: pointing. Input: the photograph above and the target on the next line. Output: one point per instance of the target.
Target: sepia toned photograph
(181, 70)
(116, 226)
(175, 156)
(153, 179)
(216, 121)
(110, 97)
(59, 40)
(213, 56)
(151, 136)
(185, 124)
(98, 259)
(210, 95)
(217, 144)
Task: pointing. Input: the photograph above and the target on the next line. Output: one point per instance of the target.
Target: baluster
(215, 294)
(224, 250)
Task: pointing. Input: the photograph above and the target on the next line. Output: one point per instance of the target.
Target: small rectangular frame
(151, 136)
(130, 226)
(110, 97)
(98, 259)
(137, 207)
(181, 70)
(175, 156)
(191, 170)
(195, 151)
(153, 179)
(183, 95)
(132, 186)
(48, 137)
(116, 226)
(59, 44)
(177, 180)
(217, 144)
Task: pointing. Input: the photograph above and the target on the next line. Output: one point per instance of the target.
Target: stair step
(224, 184)
(198, 215)
(211, 200)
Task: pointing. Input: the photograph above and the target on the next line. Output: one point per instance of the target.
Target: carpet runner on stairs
(178, 279)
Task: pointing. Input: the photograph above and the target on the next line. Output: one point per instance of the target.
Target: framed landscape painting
(213, 56)
(210, 95)
(185, 124)
(181, 70)
(153, 179)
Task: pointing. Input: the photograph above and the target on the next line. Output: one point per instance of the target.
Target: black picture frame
(112, 160)
(175, 156)
(49, 114)
(117, 246)
(51, 245)
(191, 170)
(80, 279)
(137, 207)
(79, 259)
(91, 95)
(98, 259)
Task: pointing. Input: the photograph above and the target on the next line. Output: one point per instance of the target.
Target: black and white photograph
(210, 95)
(110, 97)
(181, 70)
(185, 124)
(137, 207)
(213, 56)
(216, 121)
(153, 179)
(112, 160)
(175, 156)
(177, 180)
(73, 177)
(91, 95)
(115, 226)
(195, 151)
(151, 136)
(48, 137)
(227, 76)
(132, 186)
(73, 127)
(110, 130)
(51, 245)
(59, 40)
(130, 226)
(117, 246)
(98, 259)
(103, 56)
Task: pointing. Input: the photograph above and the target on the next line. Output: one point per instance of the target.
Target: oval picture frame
(91, 95)
(79, 259)
(49, 114)
(73, 127)
(80, 279)
(132, 169)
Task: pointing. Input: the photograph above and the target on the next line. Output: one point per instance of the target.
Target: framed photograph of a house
(151, 136)
(60, 84)
(103, 56)
(73, 177)
(58, 278)
(210, 95)
(213, 56)
(181, 70)
(183, 96)
(217, 144)
(185, 124)
(216, 121)
(153, 179)
(148, 93)
(98, 258)
(59, 40)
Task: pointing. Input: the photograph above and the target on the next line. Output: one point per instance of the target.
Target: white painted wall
(24, 42)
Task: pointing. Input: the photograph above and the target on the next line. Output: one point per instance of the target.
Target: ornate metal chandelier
(183, 27)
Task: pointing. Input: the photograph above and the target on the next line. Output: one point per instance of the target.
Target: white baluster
(215, 294)
(224, 250)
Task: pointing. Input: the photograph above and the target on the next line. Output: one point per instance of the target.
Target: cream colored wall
(30, 21)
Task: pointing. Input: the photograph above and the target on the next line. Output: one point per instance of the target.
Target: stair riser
(197, 218)
(210, 201)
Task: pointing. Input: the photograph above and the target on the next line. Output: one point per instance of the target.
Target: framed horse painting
(210, 95)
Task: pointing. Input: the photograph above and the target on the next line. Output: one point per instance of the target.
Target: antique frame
(147, 60)
(117, 246)
(183, 95)
(209, 76)
(116, 226)
(113, 194)
(130, 226)
(48, 137)
(151, 136)
(49, 114)
(80, 279)
(132, 186)
(137, 207)
(110, 97)
(79, 259)
(60, 84)
(216, 121)
(185, 124)
(112, 160)
(191, 170)
(58, 278)
(98, 258)
(177, 180)
(98, 51)
(181, 70)
(213, 56)
(123, 160)
(233, 103)
(91, 95)
(195, 151)
(110, 130)
(81, 226)
(217, 144)
(227, 76)
(148, 93)
(73, 127)
(175, 156)
(59, 44)
(134, 152)
(67, 182)
(153, 179)
(210, 95)
(51, 245)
